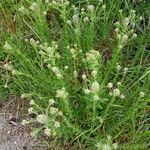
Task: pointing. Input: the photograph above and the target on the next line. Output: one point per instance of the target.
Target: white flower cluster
(93, 58)
(34, 6)
(47, 118)
(57, 3)
(41, 118)
(115, 91)
(142, 94)
(61, 93)
(106, 144)
(81, 16)
(7, 46)
(125, 29)
(73, 51)
(8, 66)
(48, 53)
(57, 72)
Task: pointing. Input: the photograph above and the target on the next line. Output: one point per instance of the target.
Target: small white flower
(42, 118)
(116, 92)
(84, 77)
(21, 9)
(59, 75)
(34, 6)
(75, 74)
(134, 35)
(110, 85)
(120, 11)
(56, 70)
(142, 94)
(75, 18)
(32, 102)
(125, 37)
(47, 132)
(100, 1)
(117, 23)
(25, 96)
(126, 21)
(91, 8)
(85, 19)
(67, 3)
(66, 67)
(96, 97)
(94, 73)
(115, 145)
(30, 110)
(5, 86)
(61, 93)
(32, 41)
(118, 67)
(118, 83)
(24, 122)
(87, 91)
(8, 66)
(53, 110)
(119, 36)
(122, 96)
(14, 72)
(69, 22)
(46, 1)
(82, 9)
(125, 70)
(95, 87)
(72, 50)
(7, 46)
(104, 6)
(44, 13)
(49, 66)
(51, 102)
(56, 124)
(106, 147)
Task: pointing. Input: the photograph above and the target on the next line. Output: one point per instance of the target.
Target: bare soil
(13, 135)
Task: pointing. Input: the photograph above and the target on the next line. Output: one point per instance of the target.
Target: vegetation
(83, 66)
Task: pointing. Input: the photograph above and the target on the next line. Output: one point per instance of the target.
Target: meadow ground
(80, 71)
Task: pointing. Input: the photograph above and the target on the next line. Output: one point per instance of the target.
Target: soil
(13, 135)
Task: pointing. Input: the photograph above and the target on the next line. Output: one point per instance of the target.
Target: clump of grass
(76, 94)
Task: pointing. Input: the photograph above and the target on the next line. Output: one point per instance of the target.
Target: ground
(13, 135)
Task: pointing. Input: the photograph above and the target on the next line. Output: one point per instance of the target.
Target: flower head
(51, 102)
(47, 132)
(34, 6)
(91, 8)
(87, 91)
(110, 85)
(96, 97)
(24, 122)
(30, 110)
(95, 87)
(94, 73)
(42, 118)
(61, 93)
(116, 92)
(32, 102)
(56, 124)
(142, 94)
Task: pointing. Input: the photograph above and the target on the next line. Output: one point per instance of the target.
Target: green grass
(85, 122)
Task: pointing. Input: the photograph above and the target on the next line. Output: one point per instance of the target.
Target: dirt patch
(13, 135)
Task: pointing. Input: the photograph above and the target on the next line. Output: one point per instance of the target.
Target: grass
(98, 52)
